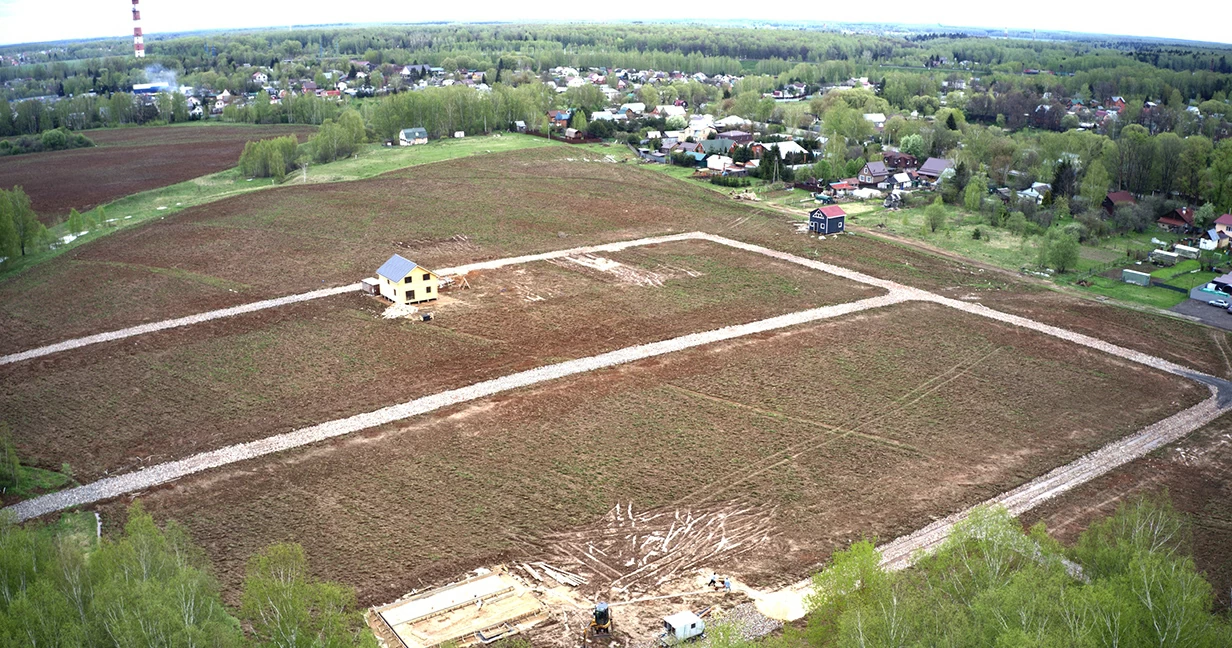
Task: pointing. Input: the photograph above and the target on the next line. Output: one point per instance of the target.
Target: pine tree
(75, 223)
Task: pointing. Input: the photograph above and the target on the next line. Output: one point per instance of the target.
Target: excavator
(602, 623)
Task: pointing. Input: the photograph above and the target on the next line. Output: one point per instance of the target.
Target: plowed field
(869, 425)
(129, 160)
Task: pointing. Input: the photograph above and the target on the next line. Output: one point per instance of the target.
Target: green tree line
(151, 586)
(1128, 581)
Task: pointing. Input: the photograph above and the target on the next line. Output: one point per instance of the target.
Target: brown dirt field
(294, 239)
(1194, 345)
(1196, 475)
(869, 425)
(138, 401)
(128, 160)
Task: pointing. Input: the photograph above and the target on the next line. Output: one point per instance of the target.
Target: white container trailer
(681, 627)
(1164, 258)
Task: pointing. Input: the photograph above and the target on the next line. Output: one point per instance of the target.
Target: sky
(26, 21)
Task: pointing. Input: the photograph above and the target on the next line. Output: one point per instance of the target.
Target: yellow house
(405, 282)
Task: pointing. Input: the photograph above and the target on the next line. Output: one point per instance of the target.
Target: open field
(224, 254)
(865, 425)
(872, 423)
(293, 239)
(132, 403)
(127, 161)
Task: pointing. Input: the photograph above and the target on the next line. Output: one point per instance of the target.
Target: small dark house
(827, 220)
(897, 161)
(1116, 199)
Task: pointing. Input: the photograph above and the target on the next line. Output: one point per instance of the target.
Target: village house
(737, 136)
(1115, 199)
(784, 149)
(896, 161)
(827, 220)
(1179, 220)
(1223, 225)
(719, 163)
(405, 282)
(873, 173)
(559, 118)
(932, 169)
(412, 136)
(719, 145)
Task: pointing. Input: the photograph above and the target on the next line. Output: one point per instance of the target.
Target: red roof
(1226, 219)
(1118, 197)
(1171, 222)
(832, 211)
(1185, 213)
(840, 185)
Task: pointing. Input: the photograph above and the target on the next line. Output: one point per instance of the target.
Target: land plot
(121, 405)
(129, 160)
(870, 425)
(1170, 338)
(294, 239)
(1195, 474)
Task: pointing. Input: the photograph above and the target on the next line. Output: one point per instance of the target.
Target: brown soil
(128, 160)
(866, 426)
(138, 401)
(299, 238)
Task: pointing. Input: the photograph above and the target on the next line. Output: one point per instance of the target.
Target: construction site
(640, 433)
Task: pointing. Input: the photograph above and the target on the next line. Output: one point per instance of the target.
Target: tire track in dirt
(953, 374)
(771, 414)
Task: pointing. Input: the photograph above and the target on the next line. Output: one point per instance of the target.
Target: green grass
(33, 481)
(1117, 289)
(377, 159)
(372, 160)
(1007, 250)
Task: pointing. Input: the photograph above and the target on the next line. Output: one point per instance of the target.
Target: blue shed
(827, 220)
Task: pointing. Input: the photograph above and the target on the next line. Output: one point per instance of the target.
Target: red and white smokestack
(138, 41)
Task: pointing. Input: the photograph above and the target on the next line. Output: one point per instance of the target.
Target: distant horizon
(1015, 33)
(24, 22)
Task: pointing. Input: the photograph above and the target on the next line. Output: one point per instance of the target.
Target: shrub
(270, 158)
(730, 181)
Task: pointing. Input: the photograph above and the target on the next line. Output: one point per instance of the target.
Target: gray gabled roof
(934, 166)
(877, 168)
(415, 133)
(397, 268)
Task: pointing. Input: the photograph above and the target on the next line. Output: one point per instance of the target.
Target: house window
(427, 276)
(410, 294)
(428, 289)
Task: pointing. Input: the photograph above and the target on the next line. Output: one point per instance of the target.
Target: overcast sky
(25, 21)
